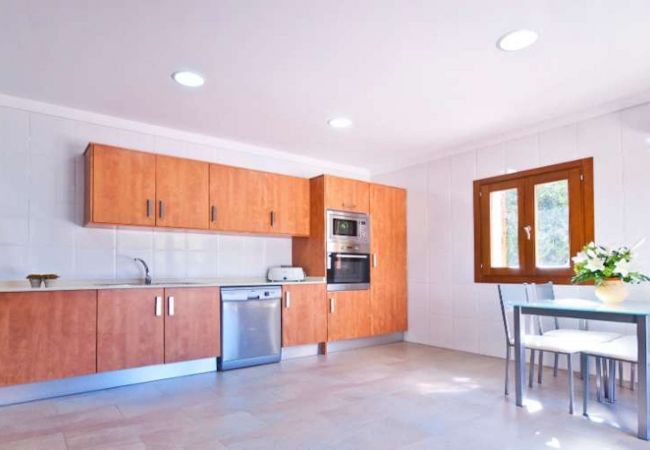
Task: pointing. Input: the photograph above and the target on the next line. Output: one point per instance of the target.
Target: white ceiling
(417, 76)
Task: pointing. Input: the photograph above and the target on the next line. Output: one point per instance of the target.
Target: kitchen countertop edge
(82, 285)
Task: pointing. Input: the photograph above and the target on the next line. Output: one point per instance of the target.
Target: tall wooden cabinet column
(382, 309)
(388, 289)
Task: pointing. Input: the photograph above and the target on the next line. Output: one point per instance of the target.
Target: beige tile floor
(393, 396)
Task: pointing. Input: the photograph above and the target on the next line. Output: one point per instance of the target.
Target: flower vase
(612, 290)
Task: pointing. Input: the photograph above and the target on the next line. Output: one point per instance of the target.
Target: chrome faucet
(147, 274)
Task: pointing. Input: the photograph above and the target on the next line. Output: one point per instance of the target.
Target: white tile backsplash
(465, 315)
(41, 207)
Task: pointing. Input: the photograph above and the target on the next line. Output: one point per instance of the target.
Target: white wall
(42, 197)
(446, 308)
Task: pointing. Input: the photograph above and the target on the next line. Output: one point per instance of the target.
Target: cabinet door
(47, 335)
(130, 328)
(120, 186)
(304, 314)
(239, 200)
(388, 289)
(289, 205)
(346, 194)
(192, 324)
(182, 193)
(349, 315)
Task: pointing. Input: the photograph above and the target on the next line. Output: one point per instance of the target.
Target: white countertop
(75, 285)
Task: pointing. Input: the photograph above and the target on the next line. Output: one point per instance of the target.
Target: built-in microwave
(348, 251)
(347, 231)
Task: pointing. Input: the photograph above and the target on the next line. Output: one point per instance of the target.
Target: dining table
(634, 312)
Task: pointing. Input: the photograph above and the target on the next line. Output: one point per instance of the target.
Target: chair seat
(583, 335)
(552, 344)
(623, 348)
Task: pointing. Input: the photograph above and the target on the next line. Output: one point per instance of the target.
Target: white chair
(545, 291)
(509, 293)
(623, 349)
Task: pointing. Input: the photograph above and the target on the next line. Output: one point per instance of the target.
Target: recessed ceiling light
(189, 79)
(340, 122)
(517, 40)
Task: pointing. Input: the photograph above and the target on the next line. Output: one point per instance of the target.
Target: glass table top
(579, 304)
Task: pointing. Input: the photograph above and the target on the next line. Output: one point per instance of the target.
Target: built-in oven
(348, 251)
(348, 271)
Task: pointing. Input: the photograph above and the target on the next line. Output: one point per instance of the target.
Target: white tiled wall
(446, 308)
(41, 208)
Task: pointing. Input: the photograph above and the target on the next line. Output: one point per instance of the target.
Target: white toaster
(285, 273)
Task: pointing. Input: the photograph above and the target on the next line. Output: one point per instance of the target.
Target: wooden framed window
(528, 225)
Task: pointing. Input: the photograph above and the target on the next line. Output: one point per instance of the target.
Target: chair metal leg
(584, 363)
(556, 361)
(605, 368)
(599, 380)
(620, 373)
(531, 369)
(612, 381)
(570, 370)
(540, 366)
(507, 368)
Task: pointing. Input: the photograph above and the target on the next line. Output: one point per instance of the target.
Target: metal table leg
(520, 358)
(642, 323)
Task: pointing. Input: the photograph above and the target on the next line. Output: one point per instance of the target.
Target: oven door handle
(345, 255)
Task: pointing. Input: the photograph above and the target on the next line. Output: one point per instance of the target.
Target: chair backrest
(509, 293)
(544, 291)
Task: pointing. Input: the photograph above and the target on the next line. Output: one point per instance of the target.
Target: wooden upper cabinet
(304, 314)
(182, 193)
(192, 324)
(388, 290)
(130, 328)
(289, 201)
(349, 315)
(47, 335)
(346, 194)
(239, 200)
(120, 186)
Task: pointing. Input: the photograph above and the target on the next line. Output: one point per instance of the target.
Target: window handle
(528, 229)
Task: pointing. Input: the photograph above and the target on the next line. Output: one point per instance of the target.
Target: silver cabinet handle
(332, 305)
(287, 299)
(272, 218)
(161, 209)
(374, 260)
(158, 306)
(213, 213)
(171, 310)
(350, 256)
(148, 208)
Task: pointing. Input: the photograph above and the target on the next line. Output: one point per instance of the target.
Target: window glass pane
(504, 229)
(552, 224)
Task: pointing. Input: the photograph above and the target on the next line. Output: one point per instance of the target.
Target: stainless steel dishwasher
(251, 330)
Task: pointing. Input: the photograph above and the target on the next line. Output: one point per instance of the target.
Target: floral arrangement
(598, 263)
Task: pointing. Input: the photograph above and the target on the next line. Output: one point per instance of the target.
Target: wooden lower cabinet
(142, 327)
(304, 314)
(47, 335)
(130, 328)
(349, 315)
(192, 324)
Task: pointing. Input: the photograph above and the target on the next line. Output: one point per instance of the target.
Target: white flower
(595, 264)
(622, 267)
(580, 258)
